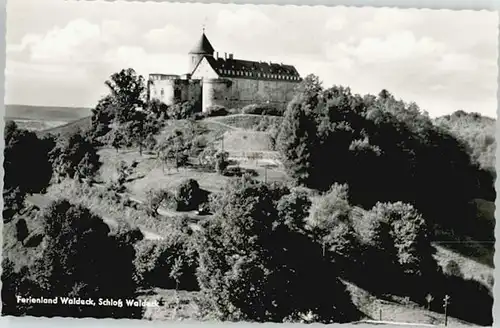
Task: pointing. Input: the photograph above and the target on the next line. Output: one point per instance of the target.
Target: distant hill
(67, 129)
(45, 113)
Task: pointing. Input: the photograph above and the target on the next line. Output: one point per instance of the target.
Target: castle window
(162, 93)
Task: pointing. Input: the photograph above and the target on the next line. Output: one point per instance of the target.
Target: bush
(183, 110)
(188, 195)
(221, 162)
(215, 110)
(453, 269)
(490, 280)
(261, 109)
(81, 259)
(169, 263)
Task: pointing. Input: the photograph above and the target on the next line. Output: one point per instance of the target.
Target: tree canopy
(82, 260)
(27, 166)
(257, 263)
(384, 149)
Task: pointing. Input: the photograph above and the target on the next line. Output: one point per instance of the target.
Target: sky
(60, 53)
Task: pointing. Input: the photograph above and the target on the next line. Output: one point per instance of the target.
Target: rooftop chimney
(225, 56)
(217, 55)
(230, 56)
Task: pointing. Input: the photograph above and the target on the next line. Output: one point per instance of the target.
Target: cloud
(399, 45)
(440, 59)
(244, 23)
(169, 38)
(385, 20)
(335, 23)
(63, 44)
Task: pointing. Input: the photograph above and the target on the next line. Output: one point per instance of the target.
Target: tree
(118, 137)
(188, 195)
(76, 157)
(23, 149)
(330, 222)
(399, 249)
(183, 110)
(296, 140)
(21, 230)
(103, 116)
(169, 263)
(333, 136)
(258, 267)
(155, 198)
(157, 108)
(142, 127)
(221, 161)
(293, 208)
(123, 172)
(127, 90)
(429, 298)
(83, 260)
(174, 148)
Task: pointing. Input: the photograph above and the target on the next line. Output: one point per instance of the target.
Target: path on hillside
(42, 201)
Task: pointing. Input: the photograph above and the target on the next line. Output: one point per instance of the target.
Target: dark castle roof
(202, 47)
(230, 67)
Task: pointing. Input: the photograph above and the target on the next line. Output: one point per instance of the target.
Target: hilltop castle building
(225, 81)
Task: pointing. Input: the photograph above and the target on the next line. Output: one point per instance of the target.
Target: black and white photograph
(216, 162)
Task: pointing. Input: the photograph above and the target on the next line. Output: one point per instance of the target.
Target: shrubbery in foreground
(82, 260)
(257, 262)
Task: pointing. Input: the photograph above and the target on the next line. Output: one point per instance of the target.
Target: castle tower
(201, 49)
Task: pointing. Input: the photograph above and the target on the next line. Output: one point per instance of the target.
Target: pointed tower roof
(202, 47)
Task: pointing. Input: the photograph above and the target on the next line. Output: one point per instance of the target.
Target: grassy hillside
(249, 121)
(45, 113)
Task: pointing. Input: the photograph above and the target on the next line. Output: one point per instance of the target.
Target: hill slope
(81, 124)
(45, 113)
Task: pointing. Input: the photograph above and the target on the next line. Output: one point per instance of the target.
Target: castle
(225, 81)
